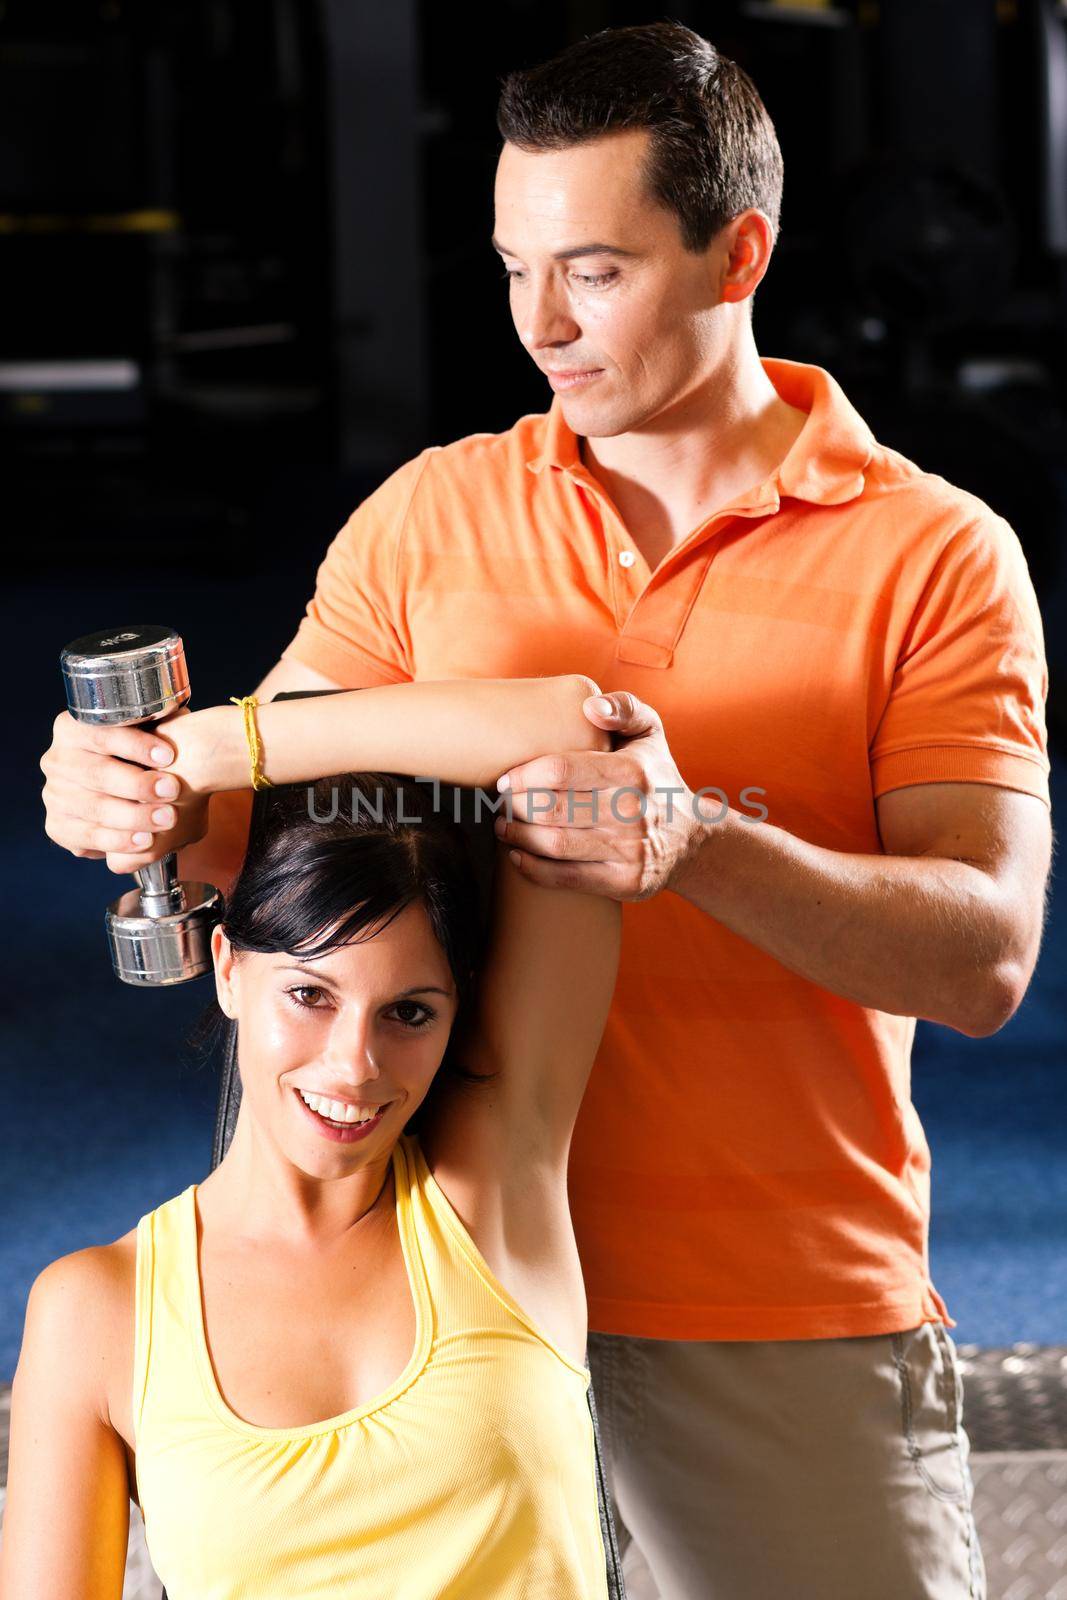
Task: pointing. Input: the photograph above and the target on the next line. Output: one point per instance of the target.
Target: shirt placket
(651, 609)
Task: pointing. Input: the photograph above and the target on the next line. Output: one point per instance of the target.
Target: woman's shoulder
(79, 1321)
(102, 1269)
(101, 1278)
(80, 1316)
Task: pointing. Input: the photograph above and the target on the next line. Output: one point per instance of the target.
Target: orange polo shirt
(747, 1162)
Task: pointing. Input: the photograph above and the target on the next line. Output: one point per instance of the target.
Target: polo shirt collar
(826, 463)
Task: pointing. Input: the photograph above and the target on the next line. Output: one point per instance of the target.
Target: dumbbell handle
(131, 677)
(160, 932)
(161, 893)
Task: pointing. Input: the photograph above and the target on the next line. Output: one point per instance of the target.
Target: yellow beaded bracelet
(248, 704)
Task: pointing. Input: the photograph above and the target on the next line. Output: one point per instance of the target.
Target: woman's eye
(422, 1022)
(305, 989)
(306, 997)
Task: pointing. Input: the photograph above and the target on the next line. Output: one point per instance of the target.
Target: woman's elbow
(574, 689)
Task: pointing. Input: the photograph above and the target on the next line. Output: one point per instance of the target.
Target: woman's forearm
(464, 731)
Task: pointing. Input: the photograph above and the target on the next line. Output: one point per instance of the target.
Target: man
(829, 700)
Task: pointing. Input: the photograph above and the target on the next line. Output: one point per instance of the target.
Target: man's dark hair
(713, 151)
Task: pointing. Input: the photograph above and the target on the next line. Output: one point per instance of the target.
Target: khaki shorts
(822, 1469)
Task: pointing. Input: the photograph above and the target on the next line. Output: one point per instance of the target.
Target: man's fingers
(588, 877)
(567, 844)
(580, 771)
(629, 716)
(571, 808)
(579, 808)
(591, 769)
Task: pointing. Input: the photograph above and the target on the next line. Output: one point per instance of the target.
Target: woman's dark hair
(713, 151)
(331, 862)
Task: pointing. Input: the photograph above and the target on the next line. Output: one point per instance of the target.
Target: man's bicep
(1001, 830)
(1005, 833)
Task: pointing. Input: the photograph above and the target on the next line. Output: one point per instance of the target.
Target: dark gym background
(245, 271)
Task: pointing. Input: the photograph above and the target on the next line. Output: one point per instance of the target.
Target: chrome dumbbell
(159, 933)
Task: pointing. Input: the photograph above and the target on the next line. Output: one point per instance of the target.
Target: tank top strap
(466, 1294)
(164, 1372)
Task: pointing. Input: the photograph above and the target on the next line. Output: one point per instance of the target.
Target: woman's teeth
(336, 1110)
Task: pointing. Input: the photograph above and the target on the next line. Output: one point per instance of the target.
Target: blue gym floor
(108, 1112)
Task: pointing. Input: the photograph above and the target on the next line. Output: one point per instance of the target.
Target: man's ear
(223, 956)
(750, 245)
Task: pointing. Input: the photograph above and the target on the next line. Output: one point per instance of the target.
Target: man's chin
(592, 421)
(592, 413)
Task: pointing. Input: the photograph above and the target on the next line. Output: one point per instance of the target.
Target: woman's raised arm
(464, 731)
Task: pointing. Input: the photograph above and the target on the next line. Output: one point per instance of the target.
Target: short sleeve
(968, 695)
(352, 630)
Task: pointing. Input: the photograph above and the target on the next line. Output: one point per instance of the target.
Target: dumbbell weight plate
(121, 676)
(156, 951)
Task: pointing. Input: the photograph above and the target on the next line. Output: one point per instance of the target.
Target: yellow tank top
(471, 1478)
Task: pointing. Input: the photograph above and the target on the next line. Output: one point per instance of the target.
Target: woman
(350, 1361)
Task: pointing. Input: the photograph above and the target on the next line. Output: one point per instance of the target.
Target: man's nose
(545, 317)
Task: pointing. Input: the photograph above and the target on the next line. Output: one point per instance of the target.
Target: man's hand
(618, 823)
(109, 794)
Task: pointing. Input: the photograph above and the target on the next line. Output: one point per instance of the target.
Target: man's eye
(591, 280)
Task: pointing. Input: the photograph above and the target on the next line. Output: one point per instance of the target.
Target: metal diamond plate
(1015, 1398)
(1020, 1505)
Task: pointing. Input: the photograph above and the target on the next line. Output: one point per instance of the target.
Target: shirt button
(626, 558)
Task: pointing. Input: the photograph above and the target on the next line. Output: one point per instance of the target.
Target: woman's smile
(349, 1122)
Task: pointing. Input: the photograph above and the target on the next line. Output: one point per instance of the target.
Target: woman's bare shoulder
(105, 1271)
(79, 1315)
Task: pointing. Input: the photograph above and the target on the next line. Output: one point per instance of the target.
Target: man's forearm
(917, 936)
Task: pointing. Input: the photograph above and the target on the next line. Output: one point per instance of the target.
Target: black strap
(229, 1102)
(616, 1585)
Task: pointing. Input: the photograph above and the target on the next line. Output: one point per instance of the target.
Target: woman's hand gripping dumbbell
(121, 793)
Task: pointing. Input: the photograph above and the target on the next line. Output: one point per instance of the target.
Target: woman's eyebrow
(306, 969)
